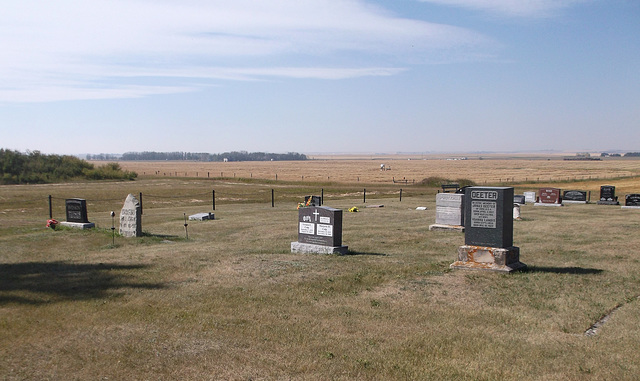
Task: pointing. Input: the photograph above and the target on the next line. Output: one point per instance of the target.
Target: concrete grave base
(574, 202)
(308, 248)
(78, 225)
(608, 203)
(202, 217)
(631, 207)
(456, 228)
(488, 258)
(546, 204)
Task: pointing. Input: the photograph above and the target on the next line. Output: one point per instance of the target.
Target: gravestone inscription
(449, 212)
(608, 195)
(319, 231)
(131, 217)
(574, 197)
(488, 236)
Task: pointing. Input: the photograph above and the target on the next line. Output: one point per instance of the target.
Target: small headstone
(574, 197)
(131, 218)
(449, 212)
(312, 201)
(530, 197)
(632, 201)
(488, 238)
(548, 197)
(319, 231)
(608, 195)
(519, 199)
(516, 212)
(202, 217)
(76, 210)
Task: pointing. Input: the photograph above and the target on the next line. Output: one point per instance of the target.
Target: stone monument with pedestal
(319, 231)
(131, 217)
(549, 197)
(574, 197)
(608, 195)
(488, 233)
(449, 212)
(76, 209)
(632, 201)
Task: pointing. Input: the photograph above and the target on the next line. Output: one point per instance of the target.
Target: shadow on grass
(47, 282)
(364, 253)
(562, 270)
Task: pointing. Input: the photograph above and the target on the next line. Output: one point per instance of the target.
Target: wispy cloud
(64, 49)
(519, 8)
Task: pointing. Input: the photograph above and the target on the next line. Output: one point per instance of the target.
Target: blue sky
(320, 75)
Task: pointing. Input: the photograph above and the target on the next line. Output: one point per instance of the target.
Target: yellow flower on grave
(353, 209)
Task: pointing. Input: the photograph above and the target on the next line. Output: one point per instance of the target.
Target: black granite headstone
(488, 216)
(519, 199)
(608, 195)
(312, 201)
(76, 210)
(632, 199)
(574, 195)
(320, 225)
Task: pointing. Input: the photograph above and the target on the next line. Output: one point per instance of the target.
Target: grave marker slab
(202, 216)
(530, 197)
(319, 231)
(449, 212)
(312, 201)
(519, 199)
(76, 212)
(632, 201)
(488, 217)
(549, 197)
(574, 197)
(608, 195)
(131, 218)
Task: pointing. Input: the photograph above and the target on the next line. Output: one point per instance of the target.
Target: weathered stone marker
(549, 197)
(319, 231)
(574, 197)
(632, 201)
(449, 212)
(530, 197)
(131, 218)
(488, 237)
(205, 216)
(608, 195)
(76, 211)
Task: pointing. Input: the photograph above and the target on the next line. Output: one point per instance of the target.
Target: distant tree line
(226, 156)
(103, 157)
(628, 154)
(36, 168)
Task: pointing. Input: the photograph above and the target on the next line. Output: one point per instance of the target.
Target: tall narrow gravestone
(449, 212)
(488, 233)
(608, 195)
(549, 197)
(76, 211)
(131, 217)
(319, 231)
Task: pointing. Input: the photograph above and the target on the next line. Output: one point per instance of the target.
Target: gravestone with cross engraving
(488, 234)
(319, 231)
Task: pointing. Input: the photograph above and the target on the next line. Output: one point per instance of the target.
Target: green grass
(232, 301)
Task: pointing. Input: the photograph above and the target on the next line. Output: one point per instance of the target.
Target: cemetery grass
(232, 302)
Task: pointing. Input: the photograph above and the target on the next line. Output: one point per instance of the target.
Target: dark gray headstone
(312, 201)
(519, 199)
(608, 195)
(574, 195)
(488, 216)
(632, 199)
(76, 210)
(320, 225)
(131, 217)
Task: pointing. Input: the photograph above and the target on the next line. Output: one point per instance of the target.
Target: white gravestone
(131, 217)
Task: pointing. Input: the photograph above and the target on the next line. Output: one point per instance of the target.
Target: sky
(319, 76)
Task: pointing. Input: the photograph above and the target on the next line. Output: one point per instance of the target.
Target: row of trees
(226, 156)
(36, 168)
(628, 154)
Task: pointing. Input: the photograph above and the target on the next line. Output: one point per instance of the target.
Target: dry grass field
(232, 302)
